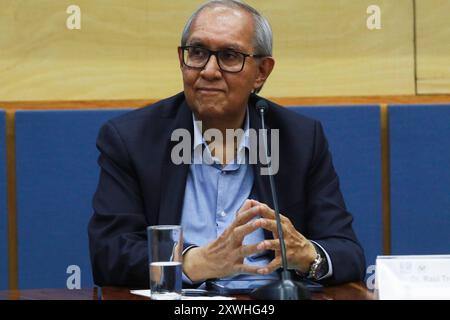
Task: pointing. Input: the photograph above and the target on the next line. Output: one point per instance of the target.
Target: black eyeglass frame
(215, 53)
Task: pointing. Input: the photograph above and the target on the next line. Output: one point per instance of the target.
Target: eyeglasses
(228, 60)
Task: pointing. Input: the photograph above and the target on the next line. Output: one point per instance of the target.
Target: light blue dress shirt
(214, 194)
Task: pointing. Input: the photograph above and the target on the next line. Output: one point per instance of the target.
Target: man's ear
(180, 57)
(265, 67)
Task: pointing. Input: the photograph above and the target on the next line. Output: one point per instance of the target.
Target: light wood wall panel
(323, 48)
(127, 49)
(433, 46)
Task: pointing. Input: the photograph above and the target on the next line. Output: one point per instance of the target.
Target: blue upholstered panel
(420, 179)
(353, 134)
(57, 175)
(3, 212)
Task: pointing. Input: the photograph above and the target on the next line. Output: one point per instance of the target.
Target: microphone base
(282, 290)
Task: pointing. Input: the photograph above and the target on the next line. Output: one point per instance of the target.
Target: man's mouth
(209, 90)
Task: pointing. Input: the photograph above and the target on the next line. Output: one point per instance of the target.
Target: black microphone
(284, 289)
(262, 107)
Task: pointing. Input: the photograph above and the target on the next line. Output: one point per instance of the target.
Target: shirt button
(223, 213)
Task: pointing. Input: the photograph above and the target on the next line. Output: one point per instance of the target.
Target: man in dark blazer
(226, 54)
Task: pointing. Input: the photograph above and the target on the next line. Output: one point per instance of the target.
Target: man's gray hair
(263, 31)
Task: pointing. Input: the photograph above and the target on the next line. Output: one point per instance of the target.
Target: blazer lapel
(173, 177)
(261, 191)
(261, 185)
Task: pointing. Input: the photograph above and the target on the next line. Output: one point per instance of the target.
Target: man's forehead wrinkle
(224, 21)
(204, 43)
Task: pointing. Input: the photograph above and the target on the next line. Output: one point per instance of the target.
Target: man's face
(210, 92)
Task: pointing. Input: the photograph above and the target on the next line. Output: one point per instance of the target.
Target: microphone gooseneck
(284, 289)
(262, 107)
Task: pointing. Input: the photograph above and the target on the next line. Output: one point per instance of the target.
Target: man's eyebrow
(235, 47)
(196, 42)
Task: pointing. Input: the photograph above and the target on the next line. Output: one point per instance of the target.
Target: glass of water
(165, 245)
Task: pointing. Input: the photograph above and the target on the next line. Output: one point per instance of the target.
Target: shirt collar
(199, 141)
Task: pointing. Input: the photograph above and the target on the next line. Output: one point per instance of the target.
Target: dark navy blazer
(140, 186)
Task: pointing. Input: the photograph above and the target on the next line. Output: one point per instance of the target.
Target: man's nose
(212, 69)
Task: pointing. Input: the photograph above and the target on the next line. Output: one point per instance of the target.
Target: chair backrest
(57, 174)
(420, 178)
(3, 212)
(353, 134)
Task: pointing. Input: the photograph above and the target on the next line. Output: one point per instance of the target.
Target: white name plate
(413, 277)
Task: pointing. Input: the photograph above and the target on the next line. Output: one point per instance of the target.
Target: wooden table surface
(350, 291)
